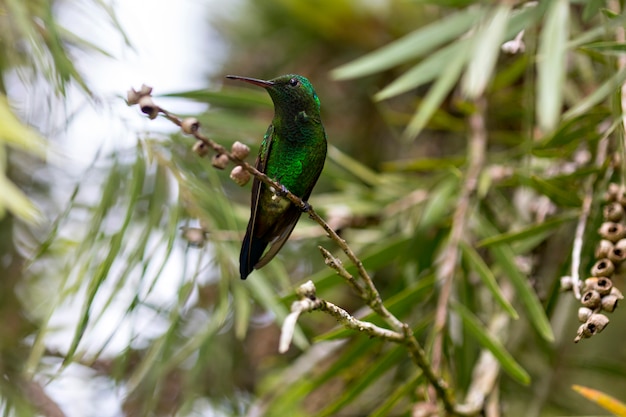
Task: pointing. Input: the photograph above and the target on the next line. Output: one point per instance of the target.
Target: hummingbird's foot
(306, 207)
(282, 191)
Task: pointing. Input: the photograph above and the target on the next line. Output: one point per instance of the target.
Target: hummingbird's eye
(294, 82)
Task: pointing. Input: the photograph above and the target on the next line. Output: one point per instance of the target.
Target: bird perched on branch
(292, 153)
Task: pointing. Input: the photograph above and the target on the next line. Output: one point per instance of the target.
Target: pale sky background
(174, 49)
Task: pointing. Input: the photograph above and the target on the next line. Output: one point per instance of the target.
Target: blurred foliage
(399, 83)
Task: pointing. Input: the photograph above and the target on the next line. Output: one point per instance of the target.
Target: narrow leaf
(486, 47)
(599, 94)
(527, 232)
(487, 277)
(505, 258)
(422, 73)
(489, 342)
(551, 65)
(411, 46)
(374, 371)
(436, 95)
(605, 401)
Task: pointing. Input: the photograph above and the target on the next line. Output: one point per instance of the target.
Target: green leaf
(436, 94)
(491, 343)
(402, 391)
(487, 277)
(374, 371)
(599, 94)
(486, 47)
(14, 133)
(228, 97)
(505, 258)
(551, 65)
(410, 46)
(529, 231)
(571, 131)
(353, 166)
(559, 192)
(422, 73)
(607, 47)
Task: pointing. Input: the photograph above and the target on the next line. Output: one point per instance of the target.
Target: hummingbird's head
(291, 93)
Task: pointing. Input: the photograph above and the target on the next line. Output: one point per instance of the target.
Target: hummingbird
(292, 153)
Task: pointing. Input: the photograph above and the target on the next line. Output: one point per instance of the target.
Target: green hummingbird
(292, 153)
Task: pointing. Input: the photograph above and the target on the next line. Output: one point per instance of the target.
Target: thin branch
(450, 256)
(309, 302)
(337, 265)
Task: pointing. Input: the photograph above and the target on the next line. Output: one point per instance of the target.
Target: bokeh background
(107, 308)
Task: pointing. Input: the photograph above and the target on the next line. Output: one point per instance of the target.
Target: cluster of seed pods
(598, 293)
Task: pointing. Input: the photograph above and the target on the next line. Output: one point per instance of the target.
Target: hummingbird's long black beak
(260, 83)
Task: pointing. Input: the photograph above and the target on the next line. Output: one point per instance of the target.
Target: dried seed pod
(616, 292)
(148, 107)
(190, 125)
(597, 322)
(240, 150)
(584, 313)
(591, 299)
(603, 268)
(613, 212)
(145, 90)
(618, 254)
(200, 148)
(590, 284)
(132, 97)
(604, 285)
(594, 325)
(609, 303)
(195, 236)
(603, 249)
(220, 161)
(240, 176)
(611, 231)
(567, 283)
(613, 192)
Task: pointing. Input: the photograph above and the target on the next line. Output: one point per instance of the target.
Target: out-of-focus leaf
(605, 401)
(505, 258)
(411, 46)
(571, 130)
(371, 374)
(486, 47)
(488, 341)
(228, 97)
(436, 94)
(15, 133)
(400, 393)
(599, 94)
(607, 47)
(554, 191)
(551, 65)
(440, 203)
(15, 201)
(422, 73)
(353, 166)
(529, 231)
(424, 164)
(487, 277)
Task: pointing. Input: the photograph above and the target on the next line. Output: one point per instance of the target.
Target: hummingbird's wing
(254, 242)
(285, 226)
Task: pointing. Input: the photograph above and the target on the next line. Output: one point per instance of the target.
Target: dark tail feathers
(251, 251)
